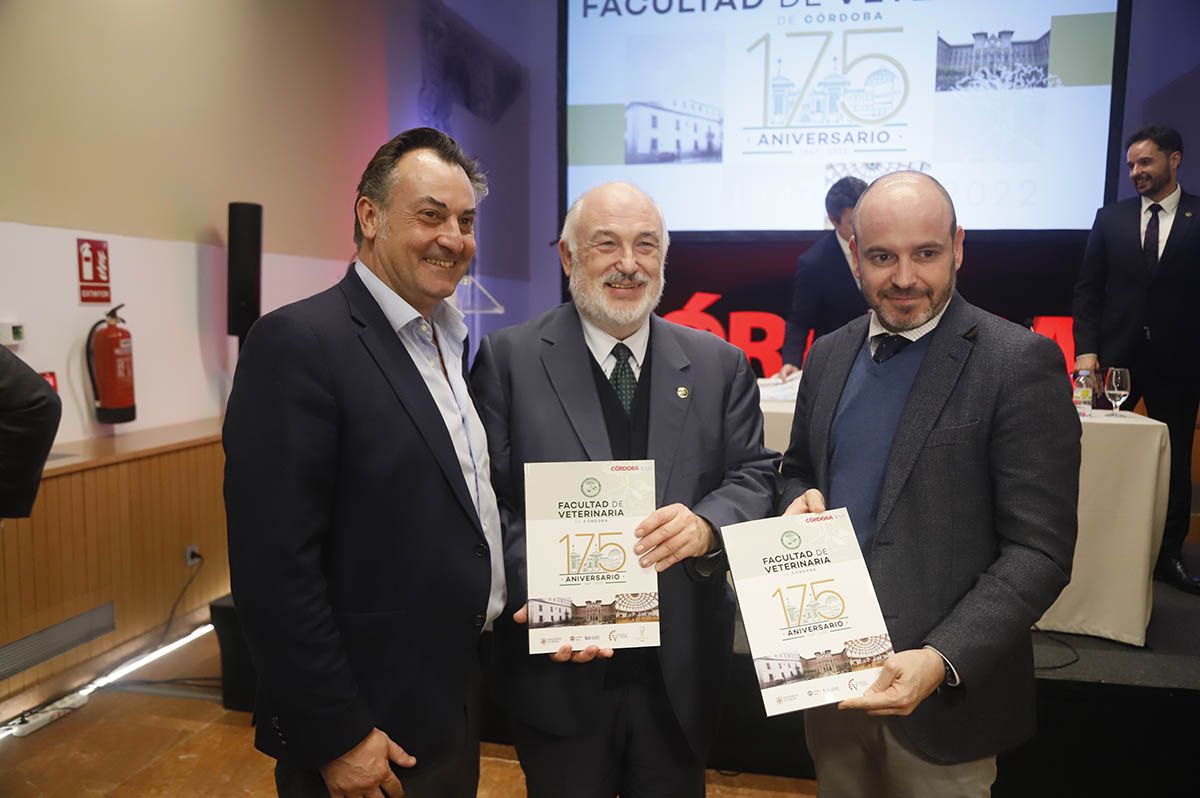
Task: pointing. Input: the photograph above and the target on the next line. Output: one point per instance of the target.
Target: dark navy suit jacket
(1117, 296)
(359, 567)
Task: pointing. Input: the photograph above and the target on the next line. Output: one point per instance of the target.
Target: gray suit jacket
(976, 523)
(537, 397)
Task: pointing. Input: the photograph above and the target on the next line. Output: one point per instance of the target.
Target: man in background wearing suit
(1135, 307)
(602, 378)
(29, 414)
(364, 537)
(825, 292)
(950, 436)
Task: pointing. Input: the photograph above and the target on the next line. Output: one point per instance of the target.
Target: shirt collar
(915, 334)
(600, 343)
(400, 314)
(1169, 203)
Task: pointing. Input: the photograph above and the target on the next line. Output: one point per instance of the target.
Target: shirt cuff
(718, 544)
(951, 679)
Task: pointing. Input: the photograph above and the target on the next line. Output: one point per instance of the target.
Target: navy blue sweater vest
(864, 427)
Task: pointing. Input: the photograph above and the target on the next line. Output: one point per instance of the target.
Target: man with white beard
(602, 378)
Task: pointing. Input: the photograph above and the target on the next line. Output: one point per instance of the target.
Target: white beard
(593, 305)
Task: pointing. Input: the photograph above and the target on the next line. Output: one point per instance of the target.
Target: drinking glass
(1116, 388)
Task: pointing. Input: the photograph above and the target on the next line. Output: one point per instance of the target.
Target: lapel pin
(1188, 214)
(681, 392)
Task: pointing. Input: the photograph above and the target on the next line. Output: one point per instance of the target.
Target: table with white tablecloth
(1122, 507)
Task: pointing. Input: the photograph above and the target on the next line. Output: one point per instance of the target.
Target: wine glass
(1116, 388)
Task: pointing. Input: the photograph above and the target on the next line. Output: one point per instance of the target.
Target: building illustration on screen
(994, 62)
(835, 99)
(676, 131)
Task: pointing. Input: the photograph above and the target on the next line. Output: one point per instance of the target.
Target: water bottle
(1082, 392)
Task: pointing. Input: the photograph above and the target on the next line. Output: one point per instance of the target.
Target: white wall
(175, 308)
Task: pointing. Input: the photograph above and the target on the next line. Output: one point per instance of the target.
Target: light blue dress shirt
(449, 392)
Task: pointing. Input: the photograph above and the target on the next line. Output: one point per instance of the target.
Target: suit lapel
(841, 360)
(671, 387)
(566, 358)
(1129, 239)
(1183, 226)
(388, 352)
(952, 342)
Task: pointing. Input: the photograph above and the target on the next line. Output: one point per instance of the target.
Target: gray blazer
(535, 391)
(976, 523)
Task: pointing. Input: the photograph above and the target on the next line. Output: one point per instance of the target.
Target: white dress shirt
(601, 344)
(1166, 217)
(449, 392)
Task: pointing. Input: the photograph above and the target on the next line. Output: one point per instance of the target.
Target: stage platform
(1113, 719)
(1170, 658)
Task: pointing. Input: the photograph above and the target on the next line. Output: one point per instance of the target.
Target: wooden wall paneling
(211, 465)
(90, 525)
(60, 603)
(121, 546)
(166, 532)
(193, 500)
(173, 573)
(150, 564)
(125, 583)
(41, 537)
(34, 619)
(141, 539)
(99, 521)
(113, 531)
(80, 585)
(187, 531)
(12, 589)
(10, 586)
(83, 592)
(74, 540)
(28, 603)
(50, 565)
(134, 581)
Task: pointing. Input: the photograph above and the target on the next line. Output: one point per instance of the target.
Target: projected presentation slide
(739, 114)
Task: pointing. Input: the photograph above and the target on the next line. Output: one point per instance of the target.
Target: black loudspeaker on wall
(245, 266)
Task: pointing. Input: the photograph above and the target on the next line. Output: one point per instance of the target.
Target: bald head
(612, 200)
(907, 249)
(906, 187)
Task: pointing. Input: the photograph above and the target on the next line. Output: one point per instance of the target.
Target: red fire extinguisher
(110, 366)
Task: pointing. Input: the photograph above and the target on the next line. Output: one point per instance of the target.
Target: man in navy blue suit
(825, 293)
(1134, 307)
(364, 537)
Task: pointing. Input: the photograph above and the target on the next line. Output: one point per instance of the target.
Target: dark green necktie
(622, 378)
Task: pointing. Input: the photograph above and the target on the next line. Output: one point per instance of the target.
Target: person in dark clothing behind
(29, 414)
(825, 293)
